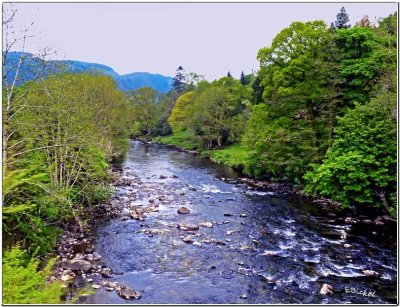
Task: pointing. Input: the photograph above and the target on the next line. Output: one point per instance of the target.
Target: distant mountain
(126, 83)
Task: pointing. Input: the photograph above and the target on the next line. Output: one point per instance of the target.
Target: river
(262, 248)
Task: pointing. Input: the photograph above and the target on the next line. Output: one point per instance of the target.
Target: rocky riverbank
(79, 266)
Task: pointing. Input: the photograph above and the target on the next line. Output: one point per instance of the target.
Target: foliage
(145, 110)
(179, 113)
(360, 167)
(218, 111)
(24, 284)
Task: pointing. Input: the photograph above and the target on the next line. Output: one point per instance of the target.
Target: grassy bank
(234, 155)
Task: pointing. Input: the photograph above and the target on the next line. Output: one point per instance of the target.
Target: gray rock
(127, 293)
(188, 227)
(183, 210)
(207, 224)
(79, 265)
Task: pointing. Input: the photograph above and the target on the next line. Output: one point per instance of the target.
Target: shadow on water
(271, 249)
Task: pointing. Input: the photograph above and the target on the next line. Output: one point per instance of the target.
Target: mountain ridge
(125, 82)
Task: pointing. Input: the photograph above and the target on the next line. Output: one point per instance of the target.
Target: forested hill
(125, 83)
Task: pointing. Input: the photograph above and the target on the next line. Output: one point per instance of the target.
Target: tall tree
(178, 83)
(243, 79)
(229, 74)
(342, 20)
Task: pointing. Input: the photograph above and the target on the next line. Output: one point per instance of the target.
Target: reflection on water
(281, 250)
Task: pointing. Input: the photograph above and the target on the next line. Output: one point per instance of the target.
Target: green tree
(342, 20)
(178, 82)
(180, 112)
(297, 73)
(360, 167)
(146, 109)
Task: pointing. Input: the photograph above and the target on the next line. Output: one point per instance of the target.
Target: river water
(272, 249)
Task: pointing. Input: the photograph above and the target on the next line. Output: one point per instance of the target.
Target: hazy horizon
(206, 38)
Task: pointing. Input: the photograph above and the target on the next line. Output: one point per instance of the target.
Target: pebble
(326, 289)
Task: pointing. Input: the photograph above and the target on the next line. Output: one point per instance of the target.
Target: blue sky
(206, 38)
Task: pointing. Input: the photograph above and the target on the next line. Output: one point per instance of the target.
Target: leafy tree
(360, 167)
(178, 83)
(180, 111)
(217, 111)
(365, 59)
(146, 109)
(297, 72)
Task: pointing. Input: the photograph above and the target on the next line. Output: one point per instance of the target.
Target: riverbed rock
(95, 286)
(106, 272)
(196, 243)
(163, 177)
(187, 227)
(350, 220)
(183, 210)
(370, 273)
(187, 239)
(127, 293)
(243, 215)
(228, 214)
(79, 265)
(206, 225)
(326, 289)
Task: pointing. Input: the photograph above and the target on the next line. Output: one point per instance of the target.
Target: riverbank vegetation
(60, 135)
(320, 113)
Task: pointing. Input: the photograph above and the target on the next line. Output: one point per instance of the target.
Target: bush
(24, 284)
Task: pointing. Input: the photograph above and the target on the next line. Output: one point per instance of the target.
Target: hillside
(126, 83)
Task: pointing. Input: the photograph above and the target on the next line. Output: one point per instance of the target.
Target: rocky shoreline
(79, 266)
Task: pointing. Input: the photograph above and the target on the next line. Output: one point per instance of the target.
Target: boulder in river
(228, 214)
(183, 210)
(350, 220)
(187, 239)
(207, 224)
(370, 273)
(127, 293)
(326, 289)
(187, 227)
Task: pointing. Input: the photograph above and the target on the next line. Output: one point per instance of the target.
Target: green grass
(182, 139)
(233, 156)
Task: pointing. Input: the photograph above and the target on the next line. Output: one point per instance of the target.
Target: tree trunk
(385, 203)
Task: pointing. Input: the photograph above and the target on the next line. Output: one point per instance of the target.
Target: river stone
(243, 215)
(197, 244)
(207, 224)
(79, 265)
(350, 220)
(187, 239)
(96, 286)
(127, 293)
(326, 289)
(228, 214)
(96, 256)
(370, 273)
(187, 227)
(183, 210)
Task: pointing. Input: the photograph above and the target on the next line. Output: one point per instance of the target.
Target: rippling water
(281, 251)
